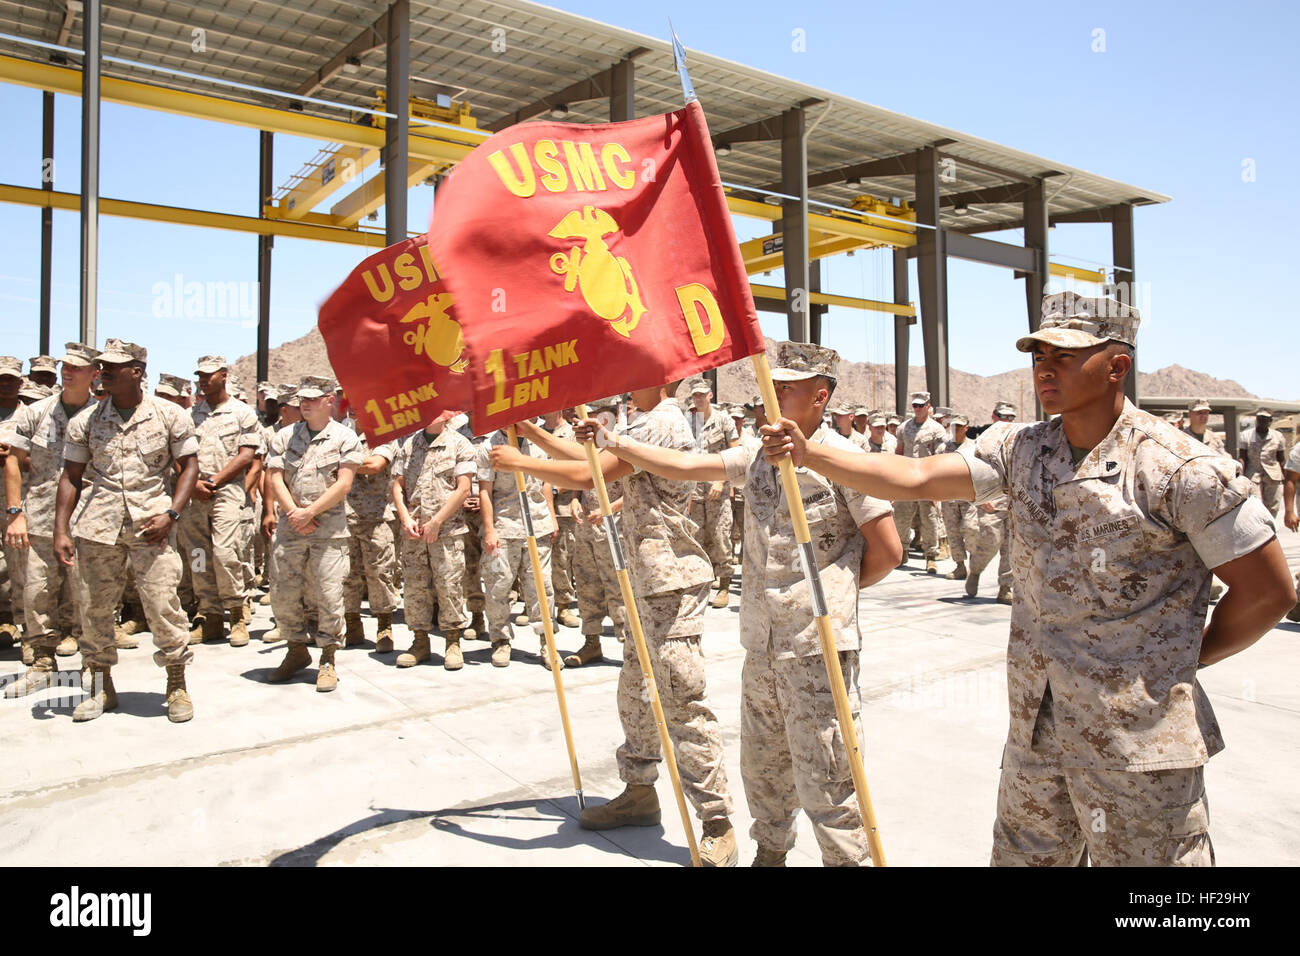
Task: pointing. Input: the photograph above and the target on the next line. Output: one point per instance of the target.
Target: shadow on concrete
(129, 703)
(647, 843)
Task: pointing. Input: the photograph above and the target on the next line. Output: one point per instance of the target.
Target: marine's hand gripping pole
(808, 558)
(638, 636)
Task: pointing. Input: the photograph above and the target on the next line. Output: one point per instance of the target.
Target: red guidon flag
(395, 342)
(591, 260)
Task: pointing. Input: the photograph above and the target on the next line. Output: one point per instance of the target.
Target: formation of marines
(130, 511)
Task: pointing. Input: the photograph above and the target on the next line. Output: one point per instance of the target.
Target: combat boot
(238, 625)
(522, 619)
(29, 653)
(384, 634)
(500, 653)
(208, 626)
(1004, 595)
(294, 661)
(272, 636)
(723, 597)
(590, 651)
(326, 678)
(265, 599)
(453, 659)
(972, 584)
(636, 806)
(124, 641)
(101, 697)
(958, 573)
(477, 629)
(67, 647)
(718, 845)
(179, 706)
(768, 857)
(931, 566)
(417, 653)
(43, 673)
(568, 619)
(355, 634)
(133, 621)
(8, 636)
(546, 658)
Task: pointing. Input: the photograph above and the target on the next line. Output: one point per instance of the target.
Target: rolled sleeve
(737, 461)
(1242, 530)
(1293, 460)
(987, 458)
(22, 430)
(865, 508)
(77, 453)
(1209, 503)
(350, 451)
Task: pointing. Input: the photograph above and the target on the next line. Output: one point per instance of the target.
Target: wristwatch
(14, 511)
(175, 515)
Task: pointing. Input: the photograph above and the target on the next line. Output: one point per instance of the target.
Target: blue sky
(1181, 97)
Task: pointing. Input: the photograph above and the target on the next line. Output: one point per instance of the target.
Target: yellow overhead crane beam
(329, 171)
(826, 298)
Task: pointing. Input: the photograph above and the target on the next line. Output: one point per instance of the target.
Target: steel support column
(265, 186)
(1036, 232)
(1125, 284)
(794, 224)
(47, 218)
(397, 142)
(816, 312)
(932, 276)
(902, 331)
(1231, 429)
(91, 29)
(622, 95)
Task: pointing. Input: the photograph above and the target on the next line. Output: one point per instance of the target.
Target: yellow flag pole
(790, 482)
(638, 636)
(539, 585)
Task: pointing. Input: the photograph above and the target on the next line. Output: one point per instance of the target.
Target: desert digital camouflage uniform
(712, 435)
(310, 569)
(52, 595)
(15, 562)
(562, 571)
(670, 574)
(960, 518)
(1264, 456)
(372, 549)
(992, 539)
(593, 569)
(475, 600)
(214, 534)
(920, 441)
(128, 477)
(261, 554)
(748, 439)
(429, 466)
(888, 443)
(792, 751)
(1210, 438)
(511, 559)
(1109, 727)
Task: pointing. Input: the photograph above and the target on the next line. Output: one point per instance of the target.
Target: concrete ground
(423, 766)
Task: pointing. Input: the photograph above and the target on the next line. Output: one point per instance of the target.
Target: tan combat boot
(477, 630)
(718, 844)
(958, 573)
(43, 673)
(417, 653)
(265, 599)
(29, 652)
(124, 641)
(522, 619)
(636, 806)
(294, 661)
(271, 636)
(8, 635)
(355, 634)
(179, 706)
(101, 697)
(768, 857)
(384, 634)
(238, 626)
(454, 660)
(568, 619)
(1004, 595)
(972, 585)
(326, 678)
(67, 647)
(133, 621)
(208, 626)
(590, 651)
(500, 653)
(723, 597)
(931, 566)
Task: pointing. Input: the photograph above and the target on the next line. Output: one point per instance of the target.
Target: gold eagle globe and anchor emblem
(436, 334)
(605, 280)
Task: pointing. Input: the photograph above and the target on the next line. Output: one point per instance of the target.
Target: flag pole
(638, 636)
(808, 559)
(539, 585)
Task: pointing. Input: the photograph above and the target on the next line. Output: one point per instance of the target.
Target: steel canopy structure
(831, 174)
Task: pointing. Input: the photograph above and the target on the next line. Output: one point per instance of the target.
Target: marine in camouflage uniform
(215, 529)
(920, 438)
(1264, 453)
(11, 568)
(1198, 414)
(713, 431)
(746, 437)
(475, 601)
(431, 480)
(842, 416)
(306, 467)
(125, 456)
(372, 549)
(960, 518)
(562, 570)
(52, 596)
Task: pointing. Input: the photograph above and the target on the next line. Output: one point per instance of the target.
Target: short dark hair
(830, 385)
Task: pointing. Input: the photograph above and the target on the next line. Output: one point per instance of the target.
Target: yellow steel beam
(26, 196)
(369, 196)
(891, 234)
(325, 178)
(1074, 272)
(826, 298)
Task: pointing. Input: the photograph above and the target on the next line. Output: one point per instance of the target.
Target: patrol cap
(738, 411)
(42, 363)
(840, 408)
(920, 398)
(171, 385)
(1199, 405)
(610, 401)
(960, 420)
(860, 410)
(797, 361)
(315, 386)
(34, 391)
(119, 352)
(877, 420)
(700, 387)
(80, 354)
(1263, 413)
(1004, 408)
(211, 363)
(943, 411)
(894, 420)
(1072, 321)
(289, 395)
(9, 365)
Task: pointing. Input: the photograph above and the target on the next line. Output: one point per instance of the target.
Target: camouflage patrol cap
(315, 386)
(42, 363)
(894, 420)
(1004, 408)
(796, 361)
(737, 411)
(289, 395)
(609, 401)
(1263, 413)
(1199, 405)
(171, 385)
(80, 354)
(700, 387)
(1072, 321)
(119, 352)
(840, 408)
(860, 410)
(877, 420)
(211, 363)
(943, 411)
(265, 387)
(961, 420)
(34, 391)
(920, 398)
(10, 365)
